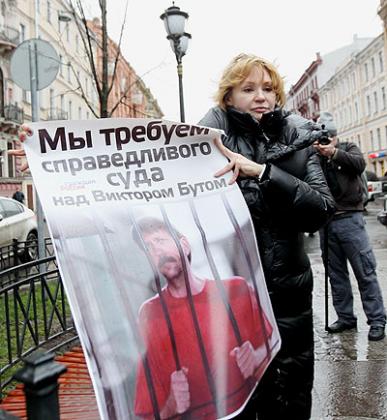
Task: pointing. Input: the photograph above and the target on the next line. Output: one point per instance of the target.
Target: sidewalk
(351, 372)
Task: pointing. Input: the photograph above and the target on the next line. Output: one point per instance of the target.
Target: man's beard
(168, 273)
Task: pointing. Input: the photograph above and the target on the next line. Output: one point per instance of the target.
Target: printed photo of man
(206, 341)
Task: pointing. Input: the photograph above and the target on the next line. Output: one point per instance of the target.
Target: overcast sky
(288, 32)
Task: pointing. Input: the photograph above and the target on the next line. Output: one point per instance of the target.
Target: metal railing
(9, 35)
(18, 253)
(57, 114)
(13, 113)
(34, 313)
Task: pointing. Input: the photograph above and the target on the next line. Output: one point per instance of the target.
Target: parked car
(18, 222)
(382, 215)
(374, 189)
(374, 186)
(383, 180)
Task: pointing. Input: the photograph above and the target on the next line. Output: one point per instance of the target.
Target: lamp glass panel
(174, 24)
(184, 44)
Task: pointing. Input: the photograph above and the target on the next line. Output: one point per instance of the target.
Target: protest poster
(159, 263)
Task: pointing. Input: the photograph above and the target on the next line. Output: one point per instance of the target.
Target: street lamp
(174, 21)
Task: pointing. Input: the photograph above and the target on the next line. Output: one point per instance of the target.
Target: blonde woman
(271, 156)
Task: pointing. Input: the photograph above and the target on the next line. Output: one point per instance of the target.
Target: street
(350, 372)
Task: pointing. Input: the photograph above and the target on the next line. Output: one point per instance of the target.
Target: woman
(283, 185)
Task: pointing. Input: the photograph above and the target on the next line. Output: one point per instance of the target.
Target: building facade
(351, 83)
(49, 20)
(129, 96)
(72, 95)
(356, 95)
(303, 97)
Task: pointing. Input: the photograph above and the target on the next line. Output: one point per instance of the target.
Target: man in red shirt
(206, 341)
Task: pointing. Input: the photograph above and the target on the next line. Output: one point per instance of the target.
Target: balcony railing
(57, 114)
(9, 35)
(13, 113)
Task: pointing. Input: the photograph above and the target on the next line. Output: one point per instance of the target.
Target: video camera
(324, 139)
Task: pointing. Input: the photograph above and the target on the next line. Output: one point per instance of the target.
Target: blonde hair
(237, 71)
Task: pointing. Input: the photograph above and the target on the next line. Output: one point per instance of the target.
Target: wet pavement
(351, 372)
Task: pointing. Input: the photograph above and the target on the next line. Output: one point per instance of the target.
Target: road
(350, 372)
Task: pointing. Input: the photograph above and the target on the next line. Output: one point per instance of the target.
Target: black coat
(344, 176)
(290, 198)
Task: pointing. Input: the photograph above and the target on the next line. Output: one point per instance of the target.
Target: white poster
(160, 265)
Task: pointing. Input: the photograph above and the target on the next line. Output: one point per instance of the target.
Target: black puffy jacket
(290, 198)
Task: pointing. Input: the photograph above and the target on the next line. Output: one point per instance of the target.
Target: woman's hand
(240, 165)
(24, 132)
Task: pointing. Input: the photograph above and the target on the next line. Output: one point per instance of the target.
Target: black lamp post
(174, 21)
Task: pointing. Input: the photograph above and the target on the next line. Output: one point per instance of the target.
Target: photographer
(343, 165)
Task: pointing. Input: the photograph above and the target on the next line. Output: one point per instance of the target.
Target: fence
(18, 253)
(34, 312)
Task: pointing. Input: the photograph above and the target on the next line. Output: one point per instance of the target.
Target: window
(52, 100)
(372, 140)
(354, 81)
(368, 105)
(376, 105)
(11, 161)
(26, 96)
(61, 65)
(62, 105)
(359, 141)
(87, 115)
(373, 67)
(383, 98)
(366, 71)
(22, 29)
(10, 94)
(70, 110)
(67, 32)
(77, 43)
(379, 138)
(10, 208)
(79, 113)
(356, 111)
(48, 10)
(69, 72)
(381, 63)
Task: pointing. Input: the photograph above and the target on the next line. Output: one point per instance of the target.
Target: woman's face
(255, 95)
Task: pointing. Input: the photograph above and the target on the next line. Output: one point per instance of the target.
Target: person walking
(18, 195)
(272, 158)
(347, 236)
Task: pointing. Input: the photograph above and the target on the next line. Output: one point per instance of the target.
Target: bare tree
(97, 46)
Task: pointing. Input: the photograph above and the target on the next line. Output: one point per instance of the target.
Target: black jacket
(290, 198)
(343, 174)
